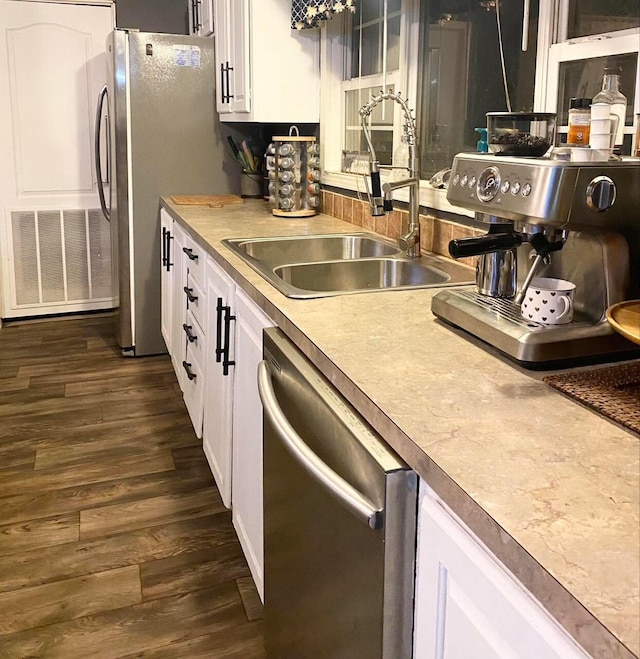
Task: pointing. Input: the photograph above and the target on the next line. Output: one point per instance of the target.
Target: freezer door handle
(353, 500)
(97, 147)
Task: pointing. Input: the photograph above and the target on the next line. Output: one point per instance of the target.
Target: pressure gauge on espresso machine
(488, 184)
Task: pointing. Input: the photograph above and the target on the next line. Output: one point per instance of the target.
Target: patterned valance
(312, 13)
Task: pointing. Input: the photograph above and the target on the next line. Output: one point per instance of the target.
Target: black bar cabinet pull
(226, 362)
(169, 239)
(189, 252)
(229, 94)
(219, 309)
(223, 97)
(189, 293)
(164, 247)
(190, 374)
(187, 330)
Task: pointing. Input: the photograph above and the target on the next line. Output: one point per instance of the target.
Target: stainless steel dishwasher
(339, 521)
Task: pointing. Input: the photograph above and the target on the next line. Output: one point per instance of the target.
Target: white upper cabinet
(201, 17)
(266, 72)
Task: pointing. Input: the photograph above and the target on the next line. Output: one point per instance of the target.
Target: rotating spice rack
(293, 168)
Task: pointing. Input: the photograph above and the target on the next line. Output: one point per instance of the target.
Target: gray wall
(170, 16)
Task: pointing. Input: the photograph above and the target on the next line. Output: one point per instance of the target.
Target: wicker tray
(613, 391)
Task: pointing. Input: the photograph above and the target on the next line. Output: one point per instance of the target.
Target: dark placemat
(613, 391)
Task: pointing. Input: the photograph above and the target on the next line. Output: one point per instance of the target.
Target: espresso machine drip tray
(498, 322)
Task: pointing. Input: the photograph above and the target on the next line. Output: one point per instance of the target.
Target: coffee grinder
(577, 221)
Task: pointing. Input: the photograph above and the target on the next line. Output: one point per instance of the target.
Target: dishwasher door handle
(353, 500)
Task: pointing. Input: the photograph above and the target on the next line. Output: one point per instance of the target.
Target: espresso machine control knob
(601, 194)
(488, 184)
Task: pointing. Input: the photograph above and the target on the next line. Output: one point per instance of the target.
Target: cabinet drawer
(194, 337)
(194, 388)
(194, 258)
(195, 300)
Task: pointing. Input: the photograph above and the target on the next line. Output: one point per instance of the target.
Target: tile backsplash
(435, 233)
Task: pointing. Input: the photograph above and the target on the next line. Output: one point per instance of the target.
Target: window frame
(333, 56)
(552, 49)
(558, 49)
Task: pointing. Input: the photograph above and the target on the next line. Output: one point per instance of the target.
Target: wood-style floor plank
(26, 536)
(83, 497)
(241, 642)
(69, 599)
(117, 464)
(156, 430)
(113, 634)
(13, 384)
(88, 556)
(250, 598)
(192, 571)
(121, 517)
(170, 437)
(86, 434)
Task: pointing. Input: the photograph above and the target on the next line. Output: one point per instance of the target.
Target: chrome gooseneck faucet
(381, 197)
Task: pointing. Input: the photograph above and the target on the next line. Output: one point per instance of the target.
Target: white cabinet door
(179, 305)
(468, 605)
(247, 435)
(201, 17)
(205, 15)
(167, 271)
(267, 72)
(232, 49)
(54, 240)
(219, 376)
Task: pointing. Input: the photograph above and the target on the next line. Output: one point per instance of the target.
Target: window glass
(588, 17)
(367, 38)
(381, 124)
(462, 75)
(583, 79)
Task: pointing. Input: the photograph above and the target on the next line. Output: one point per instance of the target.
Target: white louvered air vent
(61, 257)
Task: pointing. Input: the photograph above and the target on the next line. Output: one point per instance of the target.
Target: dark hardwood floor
(113, 538)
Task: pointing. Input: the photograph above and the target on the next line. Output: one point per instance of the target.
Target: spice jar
(579, 121)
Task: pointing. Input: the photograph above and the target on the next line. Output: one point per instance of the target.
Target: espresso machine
(577, 221)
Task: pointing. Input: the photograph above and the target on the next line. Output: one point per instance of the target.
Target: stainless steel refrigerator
(157, 114)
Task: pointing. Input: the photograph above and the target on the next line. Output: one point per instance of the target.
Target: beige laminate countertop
(549, 486)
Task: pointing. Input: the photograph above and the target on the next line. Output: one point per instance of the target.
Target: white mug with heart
(549, 301)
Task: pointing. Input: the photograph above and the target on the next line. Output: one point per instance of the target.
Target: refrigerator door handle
(97, 148)
(353, 500)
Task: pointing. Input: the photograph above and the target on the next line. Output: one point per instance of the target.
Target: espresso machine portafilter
(546, 218)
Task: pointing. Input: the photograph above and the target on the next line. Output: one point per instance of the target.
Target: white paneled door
(54, 240)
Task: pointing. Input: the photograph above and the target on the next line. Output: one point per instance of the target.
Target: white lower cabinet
(467, 605)
(219, 375)
(193, 366)
(166, 276)
(247, 435)
(178, 346)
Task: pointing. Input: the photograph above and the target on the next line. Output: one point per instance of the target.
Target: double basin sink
(325, 265)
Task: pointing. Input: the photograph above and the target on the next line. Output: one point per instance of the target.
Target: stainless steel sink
(310, 249)
(363, 275)
(321, 266)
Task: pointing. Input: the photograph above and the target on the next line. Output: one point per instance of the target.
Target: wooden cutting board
(211, 200)
(624, 317)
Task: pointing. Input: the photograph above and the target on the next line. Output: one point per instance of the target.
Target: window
(364, 53)
(590, 36)
(463, 75)
(446, 56)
